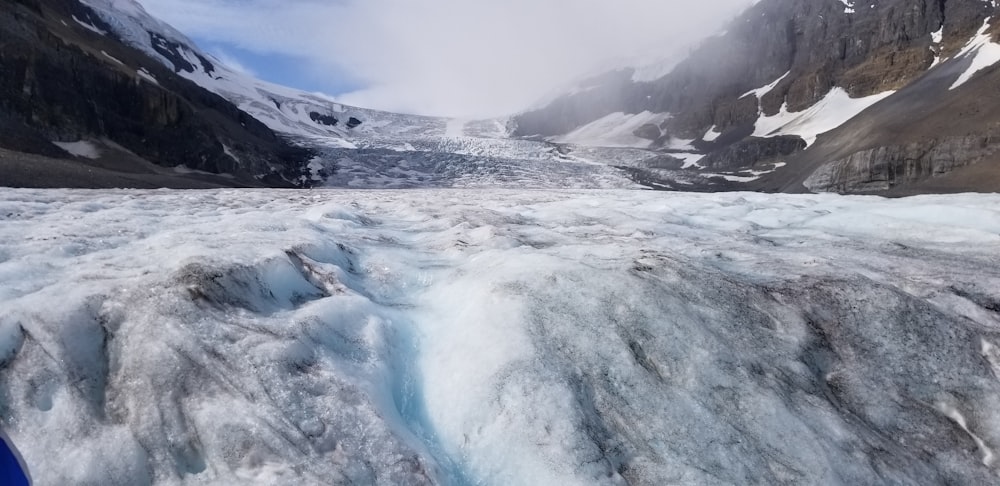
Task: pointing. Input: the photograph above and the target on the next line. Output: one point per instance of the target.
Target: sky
(462, 58)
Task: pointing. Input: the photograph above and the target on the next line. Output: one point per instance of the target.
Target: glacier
(395, 150)
(499, 337)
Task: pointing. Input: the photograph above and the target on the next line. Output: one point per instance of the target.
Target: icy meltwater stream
(499, 337)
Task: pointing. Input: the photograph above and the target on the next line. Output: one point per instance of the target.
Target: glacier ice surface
(499, 337)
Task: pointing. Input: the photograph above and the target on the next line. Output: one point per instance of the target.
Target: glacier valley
(500, 337)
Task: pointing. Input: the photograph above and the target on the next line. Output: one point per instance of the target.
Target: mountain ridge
(68, 81)
(802, 54)
(796, 96)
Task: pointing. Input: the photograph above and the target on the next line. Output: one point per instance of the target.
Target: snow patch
(712, 134)
(109, 56)
(760, 92)
(616, 130)
(690, 159)
(985, 53)
(938, 35)
(142, 73)
(180, 169)
(836, 108)
(89, 27)
(82, 148)
(228, 151)
(745, 175)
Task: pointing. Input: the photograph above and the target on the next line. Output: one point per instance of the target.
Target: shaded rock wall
(59, 81)
(752, 150)
(882, 168)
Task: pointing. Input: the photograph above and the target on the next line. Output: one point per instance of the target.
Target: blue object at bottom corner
(12, 472)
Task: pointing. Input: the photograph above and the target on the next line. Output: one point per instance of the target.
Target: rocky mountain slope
(89, 109)
(363, 148)
(908, 89)
(98, 93)
(890, 97)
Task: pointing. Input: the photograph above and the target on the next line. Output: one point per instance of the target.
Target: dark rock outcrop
(353, 122)
(60, 81)
(880, 169)
(172, 51)
(735, 113)
(328, 120)
(664, 161)
(648, 132)
(750, 151)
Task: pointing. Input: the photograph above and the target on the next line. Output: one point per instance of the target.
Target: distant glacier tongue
(499, 337)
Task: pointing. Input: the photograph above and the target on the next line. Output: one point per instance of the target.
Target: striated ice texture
(499, 337)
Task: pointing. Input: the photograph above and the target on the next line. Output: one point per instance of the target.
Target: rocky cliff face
(883, 168)
(801, 50)
(751, 151)
(65, 77)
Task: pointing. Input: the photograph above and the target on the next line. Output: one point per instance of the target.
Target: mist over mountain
(455, 58)
(885, 97)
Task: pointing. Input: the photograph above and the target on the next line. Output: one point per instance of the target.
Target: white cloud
(451, 57)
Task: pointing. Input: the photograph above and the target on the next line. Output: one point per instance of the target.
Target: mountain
(98, 93)
(81, 108)
(358, 147)
(284, 110)
(888, 96)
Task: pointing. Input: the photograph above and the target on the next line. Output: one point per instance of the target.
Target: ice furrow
(499, 337)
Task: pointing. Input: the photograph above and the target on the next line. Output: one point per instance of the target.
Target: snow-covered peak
(133, 24)
(284, 110)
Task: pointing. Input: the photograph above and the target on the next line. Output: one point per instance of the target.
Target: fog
(465, 58)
